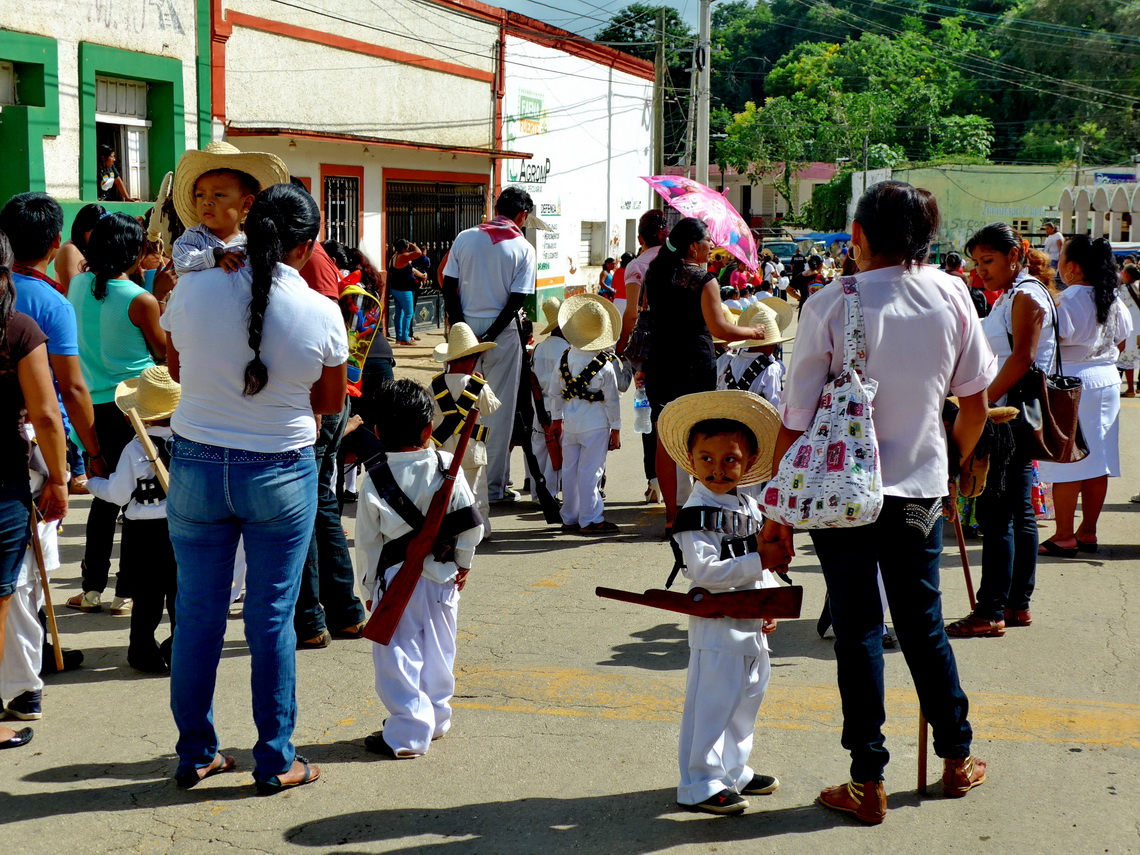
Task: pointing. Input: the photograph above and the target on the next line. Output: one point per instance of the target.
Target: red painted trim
(308, 182)
(220, 31)
(305, 34)
(377, 141)
(342, 171)
(500, 96)
(391, 174)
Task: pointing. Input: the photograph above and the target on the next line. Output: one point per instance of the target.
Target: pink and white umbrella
(693, 199)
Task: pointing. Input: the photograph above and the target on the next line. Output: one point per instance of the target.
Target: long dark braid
(1098, 266)
(114, 248)
(281, 218)
(7, 289)
(671, 257)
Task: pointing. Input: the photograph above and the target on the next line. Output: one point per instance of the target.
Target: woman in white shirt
(1094, 324)
(923, 342)
(1130, 356)
(257, 353)
(1020, 331)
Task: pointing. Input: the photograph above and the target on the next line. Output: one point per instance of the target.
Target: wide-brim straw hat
(153, 394)
(678, 418)
(550, 312)
(589, 322)
(155, 231)
(730, 315)
(783, 309)
(267, 169)
(461, 342)
(759, 315)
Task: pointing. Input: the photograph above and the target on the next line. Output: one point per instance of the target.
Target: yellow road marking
(788, 706)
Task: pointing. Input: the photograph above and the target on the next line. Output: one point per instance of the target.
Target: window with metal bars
(430, 215)
(342, 209)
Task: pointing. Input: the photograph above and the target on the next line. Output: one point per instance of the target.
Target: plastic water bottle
(642, 418)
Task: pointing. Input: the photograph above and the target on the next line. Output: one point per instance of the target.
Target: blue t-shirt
(55, 316)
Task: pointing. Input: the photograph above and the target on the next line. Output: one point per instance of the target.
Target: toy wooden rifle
(553, 446)
(49, 609)
(149, 450)
(748, 605)
(382, 624)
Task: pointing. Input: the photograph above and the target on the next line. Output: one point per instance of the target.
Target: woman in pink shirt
(923, 342)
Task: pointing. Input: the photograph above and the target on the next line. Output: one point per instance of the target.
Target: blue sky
(582, 17)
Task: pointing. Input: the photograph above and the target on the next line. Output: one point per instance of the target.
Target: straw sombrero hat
(759, 315)
(679, 416)
(730, 315)
(550, 312)
(267, 169)
(156, 231)
(783, 309)
(461, 342)
(153, 394)
(589, 322)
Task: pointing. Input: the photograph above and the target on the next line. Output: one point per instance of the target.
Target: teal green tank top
(111, 348)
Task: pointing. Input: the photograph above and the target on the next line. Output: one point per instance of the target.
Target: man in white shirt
(489, 273)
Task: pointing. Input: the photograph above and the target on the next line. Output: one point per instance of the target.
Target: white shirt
(546, 357)
(194, 249)
(579, 416)
(769, 383)
(133, 467)
(998, 324)
(635, 270)
(489, 273)
(705, 569)
(924, 342)
(207, 319)
(476, 454)
(1053, 245)
(417, 474)
(1083, 340)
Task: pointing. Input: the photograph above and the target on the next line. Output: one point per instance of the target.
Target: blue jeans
(405, 312)
(328, 585)
(1009, 541)
(216, 496)
(15, 531)
(908, 561)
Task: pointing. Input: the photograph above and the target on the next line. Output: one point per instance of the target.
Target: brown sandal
(974, 625)
(601, 527)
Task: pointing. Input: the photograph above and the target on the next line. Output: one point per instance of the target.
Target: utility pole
(659, 98)
(703, 75)
(1080, 163)
(691, 115)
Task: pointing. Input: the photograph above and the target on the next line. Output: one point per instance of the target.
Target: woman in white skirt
(1130, 293)
(1094, 323)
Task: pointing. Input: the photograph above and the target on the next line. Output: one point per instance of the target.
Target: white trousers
(477, 480)
(583, 462)
(414, 678)
(239, 571)
(542, 454)
(501, 367)
(723, 693)
(23, 632)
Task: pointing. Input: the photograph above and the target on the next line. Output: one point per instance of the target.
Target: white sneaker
(121, 606)
(1135, 499)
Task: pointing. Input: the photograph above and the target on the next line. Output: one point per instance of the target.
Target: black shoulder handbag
(637, 346)
(1048, 428)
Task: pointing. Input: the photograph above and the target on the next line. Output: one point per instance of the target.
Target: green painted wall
(204, 76)
(165, 107)
(970, 197)
(23, 128)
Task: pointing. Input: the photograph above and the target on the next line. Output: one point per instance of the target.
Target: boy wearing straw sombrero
(724, 440)
(544, 361)
(455, 389)
(213, 191)
(586, 408)
(751, 365)
(147, 556)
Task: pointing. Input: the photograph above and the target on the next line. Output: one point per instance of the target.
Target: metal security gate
(430, 215)
(342, 209)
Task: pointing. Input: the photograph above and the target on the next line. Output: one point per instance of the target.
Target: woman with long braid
(258, 354)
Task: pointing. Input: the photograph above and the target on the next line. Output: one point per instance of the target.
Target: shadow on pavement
(650, 821)
(664, 647)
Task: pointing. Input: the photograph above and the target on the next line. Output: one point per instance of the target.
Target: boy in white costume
(455, 390)
(544, 361)
(752, 366)
(586, 408)
(724, 440)
(414, 672)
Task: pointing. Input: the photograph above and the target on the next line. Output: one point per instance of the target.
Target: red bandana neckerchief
(500, 229)
(25, 270)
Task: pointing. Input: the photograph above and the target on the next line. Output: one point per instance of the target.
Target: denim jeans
(15, 531)
(327, 596)
(216, 496)
(405, 302)
(908, 561)
(1009, 541)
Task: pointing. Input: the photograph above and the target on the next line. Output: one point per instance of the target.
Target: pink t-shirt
(924, 342)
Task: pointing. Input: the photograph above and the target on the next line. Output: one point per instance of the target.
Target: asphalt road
(567, 713)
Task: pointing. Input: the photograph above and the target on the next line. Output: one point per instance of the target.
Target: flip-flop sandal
(274, 785)
(603, 527)
(193, 777)
(1048, 547)
(1087, 546)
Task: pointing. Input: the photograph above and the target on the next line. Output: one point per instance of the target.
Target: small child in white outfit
(414, 672)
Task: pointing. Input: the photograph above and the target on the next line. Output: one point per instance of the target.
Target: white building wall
(589, 128)
(159, 27)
